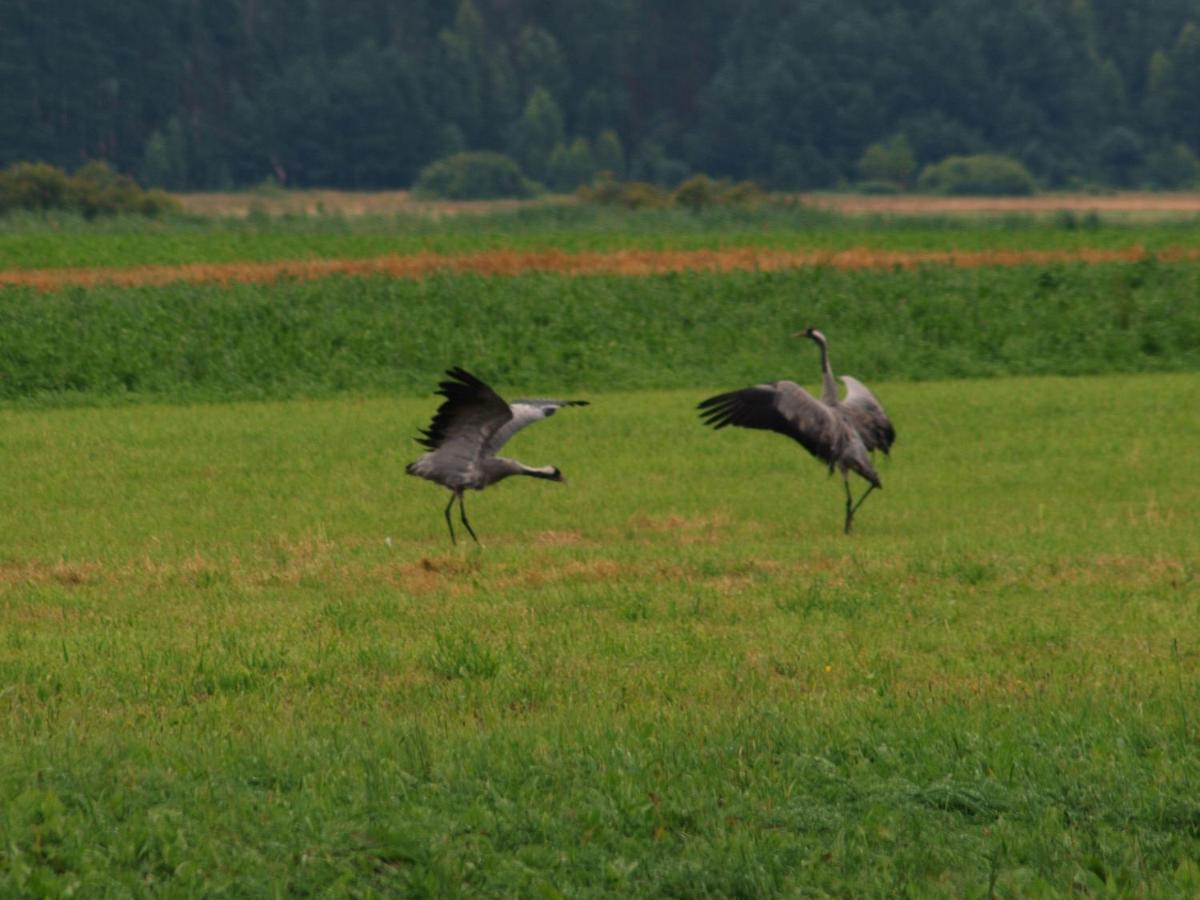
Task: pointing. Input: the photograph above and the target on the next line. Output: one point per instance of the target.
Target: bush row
(886, 168)
(696, 193)
(93, 190)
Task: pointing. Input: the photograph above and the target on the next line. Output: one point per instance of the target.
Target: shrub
(156, 203)
(609, 191)
(745, 193)
(608, 153)
(571, 165)
(27, 185)
(878, 186)
(889, 161)
(94, 190)
(473, 176)
(97, 190)
(697, 193)
(978, 174)
(701, 192)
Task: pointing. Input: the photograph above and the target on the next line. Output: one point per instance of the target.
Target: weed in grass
(460, 655)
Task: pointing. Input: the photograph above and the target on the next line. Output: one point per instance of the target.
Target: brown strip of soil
(512, 262)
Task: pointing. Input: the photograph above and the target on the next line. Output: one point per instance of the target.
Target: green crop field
(545, 332)
(240, 657)
(64, 241)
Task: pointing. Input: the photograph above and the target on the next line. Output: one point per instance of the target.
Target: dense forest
(790, 93)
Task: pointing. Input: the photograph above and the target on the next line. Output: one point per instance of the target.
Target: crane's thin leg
(462, 509)
(450, 524)
(863, 497)
(852, 509)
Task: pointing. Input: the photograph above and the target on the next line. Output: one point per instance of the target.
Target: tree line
(792, 94)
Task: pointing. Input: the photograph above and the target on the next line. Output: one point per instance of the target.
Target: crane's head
(812, 334)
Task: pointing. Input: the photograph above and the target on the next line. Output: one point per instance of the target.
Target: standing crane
(468, 429)
(843, 433)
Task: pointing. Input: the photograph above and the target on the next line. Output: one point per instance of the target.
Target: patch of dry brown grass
(1141, 203)
(509, 263)
(240, 204)
(39, 572)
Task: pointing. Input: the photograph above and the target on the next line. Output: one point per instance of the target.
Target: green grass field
(39, 242)
(547, 333)
(238, 655)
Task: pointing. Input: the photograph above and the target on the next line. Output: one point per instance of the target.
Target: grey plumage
(842, 432)
(468, 429)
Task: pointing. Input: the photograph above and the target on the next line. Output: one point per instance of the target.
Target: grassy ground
(238, 655)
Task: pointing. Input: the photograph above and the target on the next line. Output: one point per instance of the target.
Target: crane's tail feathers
(422, 469)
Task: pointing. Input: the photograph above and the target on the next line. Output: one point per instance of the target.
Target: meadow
(239, 656)
(38, 242)
(545, 332)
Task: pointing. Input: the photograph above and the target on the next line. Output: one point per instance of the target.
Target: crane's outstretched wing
(781, 406)
(524, 413)
(461, 427)
(866, 414)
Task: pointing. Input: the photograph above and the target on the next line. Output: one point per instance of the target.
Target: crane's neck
(498, 468)
(829, 392)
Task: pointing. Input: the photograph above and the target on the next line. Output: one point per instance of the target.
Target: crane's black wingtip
(715, 401)
(715, 416)
(460, 383)
(459, 374)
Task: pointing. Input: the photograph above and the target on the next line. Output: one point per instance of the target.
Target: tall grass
(238, 655)
(551, 332)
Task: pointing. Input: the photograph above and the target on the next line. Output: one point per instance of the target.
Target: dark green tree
(571, 165)
(608, 153)
(537, 133)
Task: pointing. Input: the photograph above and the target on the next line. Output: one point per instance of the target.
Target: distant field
(57, 243)
(1140, 205)
(554, 332)
(239, 656)
(632, 263)
(239, 204)
(1131, 205)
